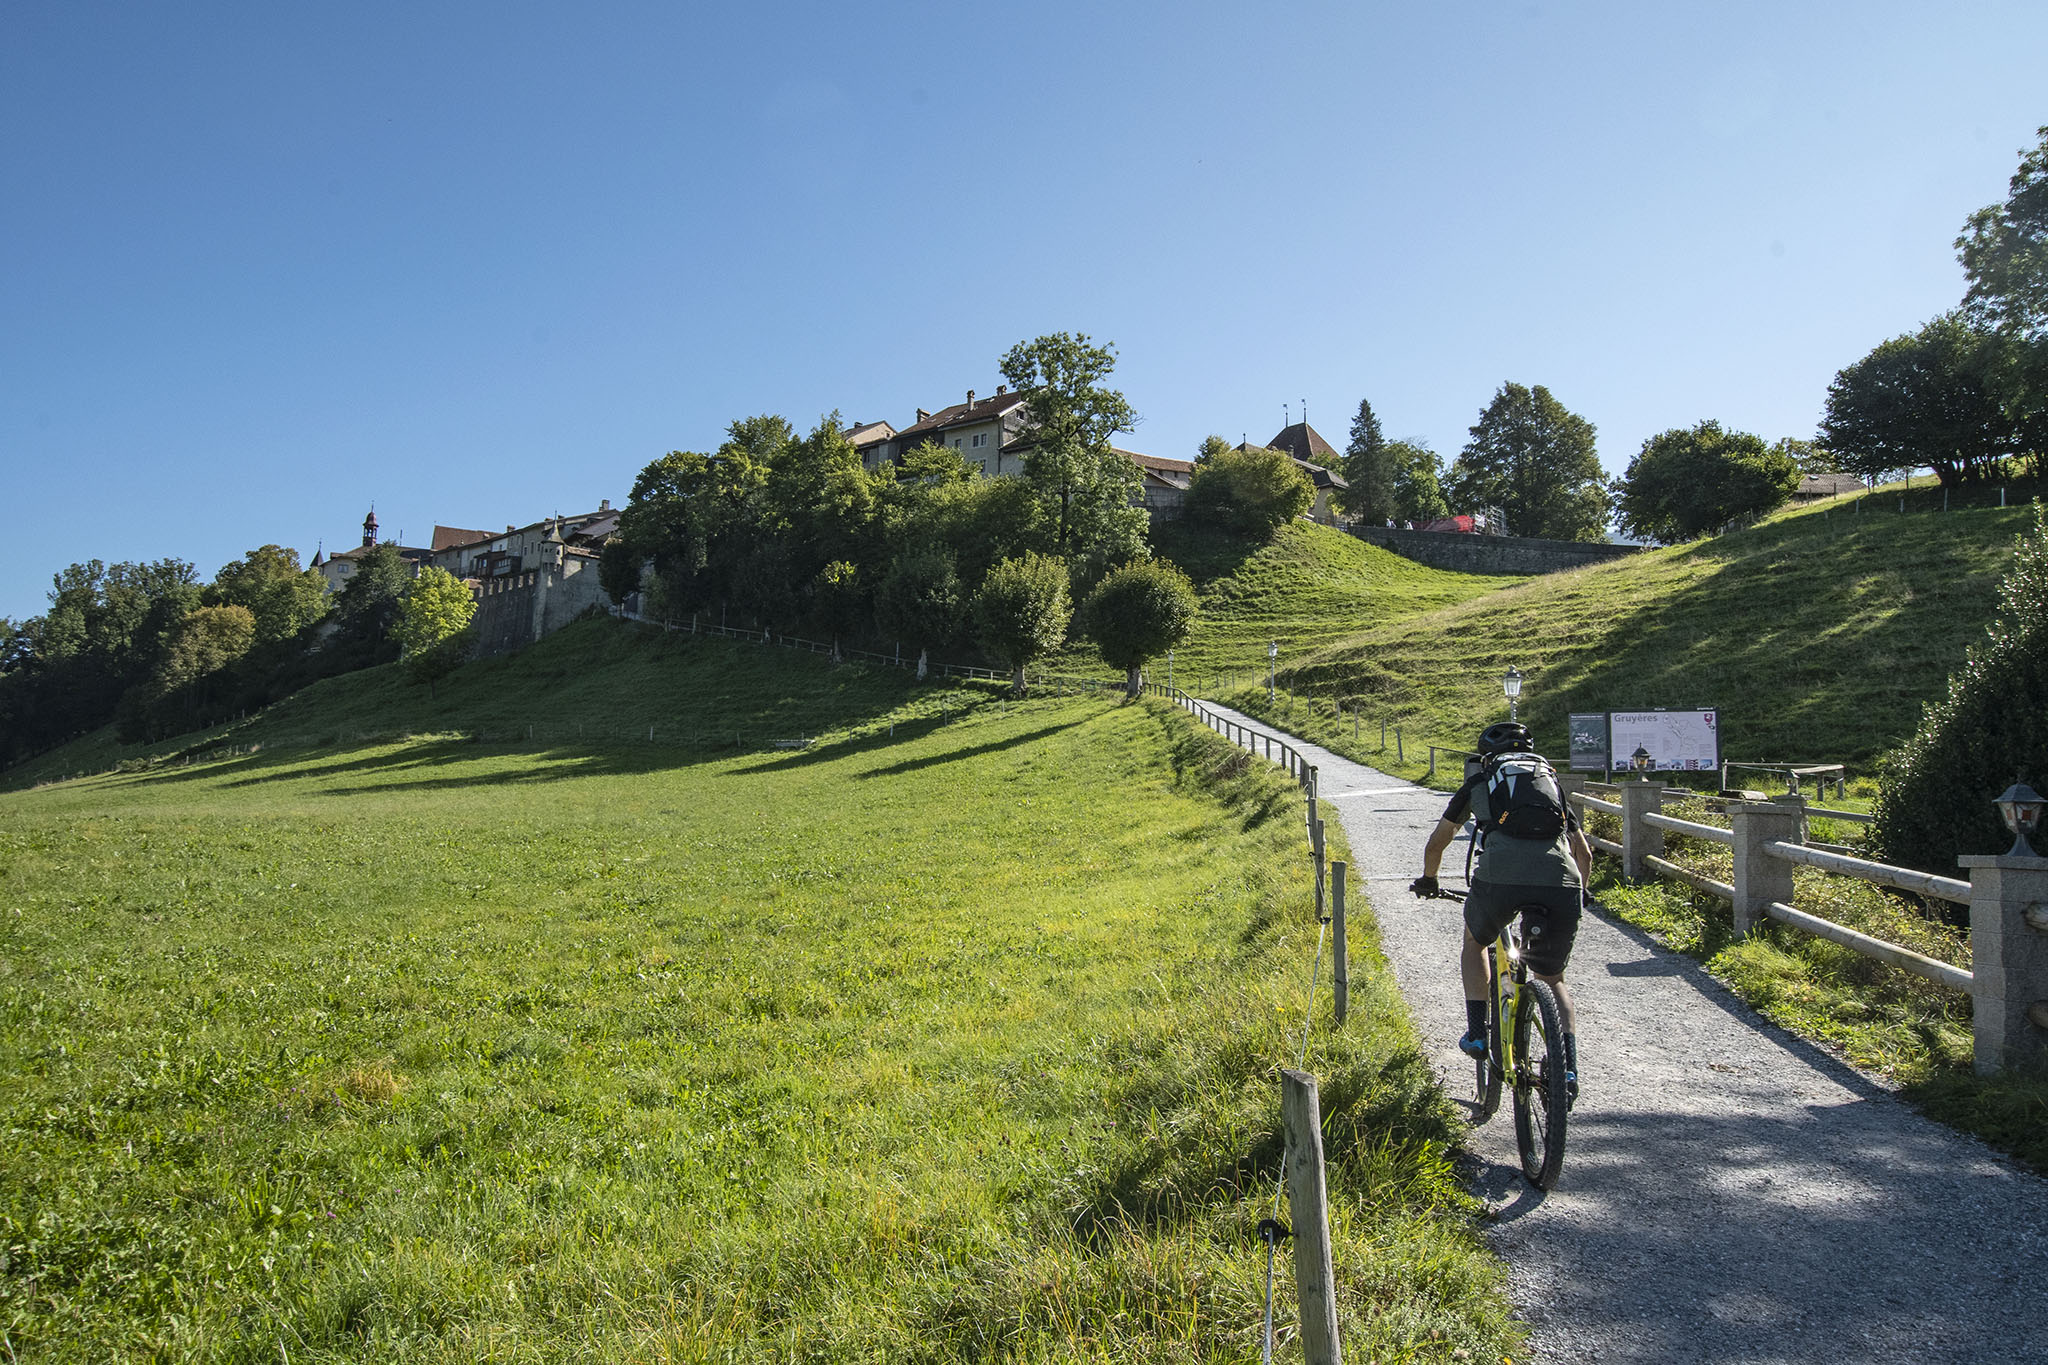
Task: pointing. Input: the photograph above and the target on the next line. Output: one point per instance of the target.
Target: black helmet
(1507, 737)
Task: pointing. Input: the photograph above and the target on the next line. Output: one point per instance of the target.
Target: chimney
(922, 414)
(1002, 389)
(604, 504)
(970, 400)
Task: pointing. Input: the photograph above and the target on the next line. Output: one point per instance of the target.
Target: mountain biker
(1547, 875)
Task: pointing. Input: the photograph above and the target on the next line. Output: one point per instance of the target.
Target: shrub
(1934, 798)
(1021, 611)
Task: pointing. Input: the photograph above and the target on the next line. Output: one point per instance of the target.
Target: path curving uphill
(1731, 1192)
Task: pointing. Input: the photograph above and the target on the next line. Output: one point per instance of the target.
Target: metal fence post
(1761, 878)
(1340, 977)
(1301, 1113)
(2009, 961)
(1638, 840)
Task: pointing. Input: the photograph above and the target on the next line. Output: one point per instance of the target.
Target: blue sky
(265, 265)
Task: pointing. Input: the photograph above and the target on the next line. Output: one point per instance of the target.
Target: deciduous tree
(1687, 482)
(1085, 488)
(1534, 459)
(1920, 400)
(918, 601)
(1137, 614)
(1418, 482)
(1021, 612)
(433, 626)
(1253, 490)
(283, 597)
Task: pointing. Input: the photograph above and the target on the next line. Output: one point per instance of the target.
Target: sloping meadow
(958, 1044)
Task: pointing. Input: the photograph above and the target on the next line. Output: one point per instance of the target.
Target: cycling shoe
(1473, 1045)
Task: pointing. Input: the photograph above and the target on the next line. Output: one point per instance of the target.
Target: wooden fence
(2008, 986)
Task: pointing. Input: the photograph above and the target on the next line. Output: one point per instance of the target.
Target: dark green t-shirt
(1507, 861)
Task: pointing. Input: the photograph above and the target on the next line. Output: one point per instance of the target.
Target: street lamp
(1511, 683)
(1272, 663)
(2020, 806)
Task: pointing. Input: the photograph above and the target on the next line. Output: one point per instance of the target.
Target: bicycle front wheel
(1540, 1100)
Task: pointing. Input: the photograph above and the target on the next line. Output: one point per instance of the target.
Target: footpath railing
(2006, 895)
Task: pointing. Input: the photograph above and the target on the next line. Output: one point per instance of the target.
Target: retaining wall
(1490, 554)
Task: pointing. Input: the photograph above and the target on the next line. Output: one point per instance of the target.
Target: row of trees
(1529, 455)
(149, 646)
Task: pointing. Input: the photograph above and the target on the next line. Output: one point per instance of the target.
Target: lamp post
(1511, 683)
(2020, 806)
(1272, 663)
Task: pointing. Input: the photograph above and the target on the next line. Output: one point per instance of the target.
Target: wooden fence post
(2009, 961)
(1301, 1113)
(1759, 877)
(1400, 757)
(1638, 841)
(1340, 979)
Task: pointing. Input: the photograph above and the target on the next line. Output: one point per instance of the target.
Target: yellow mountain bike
(1532, 1064)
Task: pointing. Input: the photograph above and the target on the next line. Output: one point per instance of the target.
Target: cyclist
(1548, 877)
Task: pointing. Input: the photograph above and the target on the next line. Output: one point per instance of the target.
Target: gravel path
(1730, 1192)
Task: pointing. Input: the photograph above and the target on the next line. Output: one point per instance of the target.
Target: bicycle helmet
(1507, 737)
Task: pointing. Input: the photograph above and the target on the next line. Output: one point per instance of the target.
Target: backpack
(1522, 797)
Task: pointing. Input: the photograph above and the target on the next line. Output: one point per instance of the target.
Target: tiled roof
(448, 537)
(1304, 443)
(1158, 462)
(981, 410)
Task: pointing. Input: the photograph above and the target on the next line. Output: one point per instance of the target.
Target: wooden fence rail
(2008, 930)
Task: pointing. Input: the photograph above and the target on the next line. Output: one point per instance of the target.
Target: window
(980, 439)
(956, 443)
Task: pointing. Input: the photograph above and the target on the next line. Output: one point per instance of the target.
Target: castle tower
(370, 529)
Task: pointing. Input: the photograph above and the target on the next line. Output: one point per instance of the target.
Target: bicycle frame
(1507, 973)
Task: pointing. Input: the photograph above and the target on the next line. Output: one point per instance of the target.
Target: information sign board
(1664, 741)
(1589, 741)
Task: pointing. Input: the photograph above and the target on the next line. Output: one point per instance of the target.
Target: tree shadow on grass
(911, 765)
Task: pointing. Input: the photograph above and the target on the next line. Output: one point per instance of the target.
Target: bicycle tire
(1486, 1070)
(1541, 1104)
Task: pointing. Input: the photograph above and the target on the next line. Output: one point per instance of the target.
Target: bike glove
(1423, 886)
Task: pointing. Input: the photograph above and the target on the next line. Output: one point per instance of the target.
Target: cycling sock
(1475, 1019)
(1571, 1053)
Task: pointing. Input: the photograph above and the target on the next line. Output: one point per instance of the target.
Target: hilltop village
(531, 580)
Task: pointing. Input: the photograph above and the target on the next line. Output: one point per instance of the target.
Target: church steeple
(370, 529)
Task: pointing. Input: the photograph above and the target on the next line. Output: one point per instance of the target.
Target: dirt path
(1730, 1191)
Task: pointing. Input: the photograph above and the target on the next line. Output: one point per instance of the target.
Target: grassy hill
(1818, 633)
(1308, 587)
(955, 1042)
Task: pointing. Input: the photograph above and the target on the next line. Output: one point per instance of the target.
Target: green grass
(1818, 634)
(956, 1044)
(1308, 587)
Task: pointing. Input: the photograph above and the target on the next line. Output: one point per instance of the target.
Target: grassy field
(957, 1043)
(1818, 634)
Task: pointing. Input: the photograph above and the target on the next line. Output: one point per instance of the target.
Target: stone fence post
(2009, 961)
(1759, 877)
(1638, 840)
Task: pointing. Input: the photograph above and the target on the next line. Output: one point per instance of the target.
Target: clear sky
(263, 265)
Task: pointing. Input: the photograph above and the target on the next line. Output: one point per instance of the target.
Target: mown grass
(1307, 587)
(956, 1044)
(1818, 635)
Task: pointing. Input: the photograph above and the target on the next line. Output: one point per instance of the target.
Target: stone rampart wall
(1489, 554)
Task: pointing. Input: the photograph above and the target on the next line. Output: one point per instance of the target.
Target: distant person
(1532, 858)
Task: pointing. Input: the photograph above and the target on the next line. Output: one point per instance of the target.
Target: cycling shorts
(1548, 928)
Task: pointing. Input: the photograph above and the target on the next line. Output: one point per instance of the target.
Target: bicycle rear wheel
(1540, 1100)
(1486, 1070)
